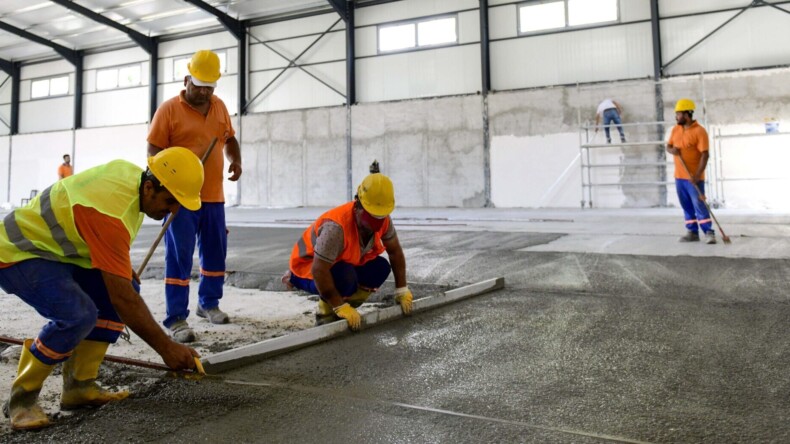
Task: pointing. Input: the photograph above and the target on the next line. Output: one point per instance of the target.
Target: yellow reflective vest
(45, 227)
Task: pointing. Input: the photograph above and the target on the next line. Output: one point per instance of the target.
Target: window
(122, 77)
(53, 86)
(418, 34)
(556, 14)
(180, 69)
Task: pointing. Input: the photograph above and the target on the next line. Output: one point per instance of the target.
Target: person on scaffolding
(338, 256)
(688, 144)
(66, 254)
(611, 112)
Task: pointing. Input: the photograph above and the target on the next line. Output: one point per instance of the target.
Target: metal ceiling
(151, 18)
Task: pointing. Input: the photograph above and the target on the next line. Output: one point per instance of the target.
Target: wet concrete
(579, 347)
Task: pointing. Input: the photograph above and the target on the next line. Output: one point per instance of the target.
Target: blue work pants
(694, 209)
(74, 299)
(208, 225)
(347, 277)
(612, 116)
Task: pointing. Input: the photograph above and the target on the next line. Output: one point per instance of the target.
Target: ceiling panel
(149, 17)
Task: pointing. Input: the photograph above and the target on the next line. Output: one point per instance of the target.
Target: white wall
(4, 168)
(97, 146)
(46, 114)
(35, 159)
(5, 107)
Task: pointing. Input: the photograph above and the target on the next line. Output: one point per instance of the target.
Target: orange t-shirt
(107, 239)
(64, 171)
(176, 123)
(692, 142)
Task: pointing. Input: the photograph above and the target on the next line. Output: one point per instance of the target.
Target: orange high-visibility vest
(301, 263)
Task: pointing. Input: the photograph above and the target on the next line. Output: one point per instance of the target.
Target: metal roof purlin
(341, 7)
(144, 41)
(67, 53)
(234, 26)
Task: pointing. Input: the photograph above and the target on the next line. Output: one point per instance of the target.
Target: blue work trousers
(612, 116)
(208, 225)
(348, 277)
(74, 299)
(694, 208)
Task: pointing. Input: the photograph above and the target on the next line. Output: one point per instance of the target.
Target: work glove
(404, 297)
(350, 314)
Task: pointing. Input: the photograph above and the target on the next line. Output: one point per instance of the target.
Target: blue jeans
(208, 225)
(612, 116)
(347, 277)
(694, 209)
(74, 299)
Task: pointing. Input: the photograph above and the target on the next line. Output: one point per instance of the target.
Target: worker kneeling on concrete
(66, 254)
(338, 256)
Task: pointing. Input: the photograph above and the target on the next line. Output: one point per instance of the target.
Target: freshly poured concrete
(579, 346)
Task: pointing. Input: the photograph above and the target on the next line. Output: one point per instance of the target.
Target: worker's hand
(672, 150)
(235, 171)
(179, 357)
(694, 179)
(350, 314)
(404, 297)
(136, 278)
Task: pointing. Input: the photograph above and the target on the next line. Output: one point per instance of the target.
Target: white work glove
(404, 297)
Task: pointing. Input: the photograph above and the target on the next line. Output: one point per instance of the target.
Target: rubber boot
(358, 298)
(325, 314)
(22, 407)
(79, 378)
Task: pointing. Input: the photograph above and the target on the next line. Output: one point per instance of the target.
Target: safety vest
(45, 227)
(301, 263)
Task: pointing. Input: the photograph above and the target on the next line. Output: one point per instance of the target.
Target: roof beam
(341, 7)
(67, 53)
(235, 27)
(145, 42)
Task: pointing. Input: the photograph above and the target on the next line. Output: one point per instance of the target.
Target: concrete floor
(607, 330)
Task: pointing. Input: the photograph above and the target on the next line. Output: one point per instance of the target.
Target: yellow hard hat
(181, 172)
(204, 68)
(377, 195)
(684, 105)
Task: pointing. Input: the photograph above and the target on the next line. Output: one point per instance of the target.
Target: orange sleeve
(702, 140)
(159, 133)
(231, 131)
(108, 241)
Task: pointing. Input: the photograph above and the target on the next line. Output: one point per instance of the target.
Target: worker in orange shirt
(338, 256)
(66, 254)
(192, 119)
(689, 141)
(65, 170)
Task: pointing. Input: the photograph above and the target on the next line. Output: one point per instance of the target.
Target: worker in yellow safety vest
(66, 254)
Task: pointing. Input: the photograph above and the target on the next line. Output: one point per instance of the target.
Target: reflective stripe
(48, 352)
(212, 273)
(110, 325)
(704, 221)
(21, 242)
(58, 234)
(56, 231)
(174, 281)
(692, 221)
(302, 248)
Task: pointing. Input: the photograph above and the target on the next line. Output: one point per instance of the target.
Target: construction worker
(338, 256)
(689, 144)
(192, 119)
(65, 170)
(66, 254)
(611, 112)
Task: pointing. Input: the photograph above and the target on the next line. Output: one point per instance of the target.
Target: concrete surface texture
(641, 340)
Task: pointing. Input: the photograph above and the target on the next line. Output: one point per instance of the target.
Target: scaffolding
(652, 131)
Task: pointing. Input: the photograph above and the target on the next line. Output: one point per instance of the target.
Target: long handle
(724, 237)
(169, 219)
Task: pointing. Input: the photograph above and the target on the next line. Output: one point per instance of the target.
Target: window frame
(567, 26)
(49, 86)
(117, 69)
(416, 22)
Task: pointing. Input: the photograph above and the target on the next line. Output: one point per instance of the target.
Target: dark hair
(148, 176)
(66, 155)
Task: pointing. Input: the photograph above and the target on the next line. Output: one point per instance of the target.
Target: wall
(119, 106)
(35, 159)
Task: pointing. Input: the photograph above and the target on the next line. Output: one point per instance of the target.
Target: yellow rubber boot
(324, 314)
(22, 407)
(79, 378)
(358, 298)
